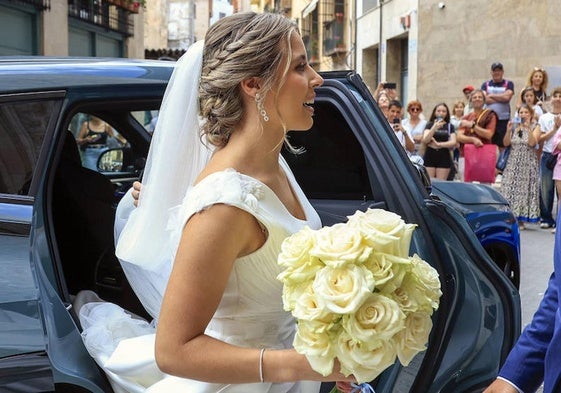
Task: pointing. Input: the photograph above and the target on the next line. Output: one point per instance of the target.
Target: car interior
(83, 208)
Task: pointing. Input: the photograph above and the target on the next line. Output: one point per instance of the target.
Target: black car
(56, 220)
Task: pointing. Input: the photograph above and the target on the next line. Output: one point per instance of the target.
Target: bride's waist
(254, 331)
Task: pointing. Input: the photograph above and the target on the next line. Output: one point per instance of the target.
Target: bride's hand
(136, 186)
(344, 387)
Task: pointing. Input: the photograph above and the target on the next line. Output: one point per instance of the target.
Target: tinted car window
(332, 165)
(22, 130)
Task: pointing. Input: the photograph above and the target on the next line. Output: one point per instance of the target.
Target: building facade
(430, 48)
(72, 28)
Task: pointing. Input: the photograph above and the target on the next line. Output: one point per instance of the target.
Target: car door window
(22, 131)
(331, 167)
(331, 164)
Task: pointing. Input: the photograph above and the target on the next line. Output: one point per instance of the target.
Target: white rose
(363, 362)
(307, 307)
(414, 296)
(379, 318)
(384, 231)
(388, 270)
(406, 303)
(315, 340)
(291, 293)
(295, 256)
(340, 244)
(343, 290)
(428, 280)
(413, 339)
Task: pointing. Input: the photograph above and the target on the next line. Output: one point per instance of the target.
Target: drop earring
(260, 108)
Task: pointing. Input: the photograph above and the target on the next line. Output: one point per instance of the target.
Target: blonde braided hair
(238, 47)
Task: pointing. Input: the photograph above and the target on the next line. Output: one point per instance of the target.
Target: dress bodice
(251, 312)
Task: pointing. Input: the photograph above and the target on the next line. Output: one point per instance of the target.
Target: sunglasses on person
(539, 69)
(415, 109)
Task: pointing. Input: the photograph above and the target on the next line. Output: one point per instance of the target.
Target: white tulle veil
(176, 157)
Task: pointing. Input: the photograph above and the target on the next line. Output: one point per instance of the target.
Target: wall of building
(202, 17)
(156, 24)
(54, 39)
(453, 52)
(388, 16)
(455, 45)
(135, 44)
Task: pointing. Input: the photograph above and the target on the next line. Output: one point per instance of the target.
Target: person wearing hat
(499, 92)
(467, 90)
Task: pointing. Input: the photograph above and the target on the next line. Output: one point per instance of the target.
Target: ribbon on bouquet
(362, 388)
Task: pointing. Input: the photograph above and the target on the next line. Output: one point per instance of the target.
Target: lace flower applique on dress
(228, 187)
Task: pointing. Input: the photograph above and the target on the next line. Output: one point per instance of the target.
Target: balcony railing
(109, 16)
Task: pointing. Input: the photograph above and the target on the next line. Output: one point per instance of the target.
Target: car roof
(35, 73)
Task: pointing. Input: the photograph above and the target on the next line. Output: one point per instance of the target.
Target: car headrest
(70, 151)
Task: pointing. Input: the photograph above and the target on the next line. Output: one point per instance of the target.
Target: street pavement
(536, 267)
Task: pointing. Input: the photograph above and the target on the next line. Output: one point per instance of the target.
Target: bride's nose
(316, 80)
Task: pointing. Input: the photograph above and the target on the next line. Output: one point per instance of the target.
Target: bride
(217, 202)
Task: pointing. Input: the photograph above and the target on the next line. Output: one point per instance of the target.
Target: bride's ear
(251, 86)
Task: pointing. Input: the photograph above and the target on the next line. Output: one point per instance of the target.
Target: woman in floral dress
(520, 177)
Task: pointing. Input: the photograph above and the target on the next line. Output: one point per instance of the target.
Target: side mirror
(111, 160)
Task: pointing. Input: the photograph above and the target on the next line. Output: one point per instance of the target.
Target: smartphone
(390, 85)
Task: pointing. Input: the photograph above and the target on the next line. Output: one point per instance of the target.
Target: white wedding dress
(250, 313)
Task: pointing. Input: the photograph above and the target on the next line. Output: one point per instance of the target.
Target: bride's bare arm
(211, 241)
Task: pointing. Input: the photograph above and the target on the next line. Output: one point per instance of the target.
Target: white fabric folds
(176, 157)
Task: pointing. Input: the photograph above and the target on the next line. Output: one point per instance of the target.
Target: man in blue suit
(536, 357)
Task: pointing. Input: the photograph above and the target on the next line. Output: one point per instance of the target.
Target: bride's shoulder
(224, 186)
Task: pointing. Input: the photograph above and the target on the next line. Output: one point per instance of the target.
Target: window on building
(310, 33)
(367, 5)
(333, 16)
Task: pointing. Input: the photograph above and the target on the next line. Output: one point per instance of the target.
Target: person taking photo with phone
(394, 118)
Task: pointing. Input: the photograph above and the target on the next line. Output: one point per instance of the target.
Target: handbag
(551, 161)
(503, 159)
(479, 163)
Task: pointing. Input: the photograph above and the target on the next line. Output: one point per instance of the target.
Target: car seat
(84, 205)
(83, 214)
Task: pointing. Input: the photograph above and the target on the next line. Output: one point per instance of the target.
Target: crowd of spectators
(480, 140)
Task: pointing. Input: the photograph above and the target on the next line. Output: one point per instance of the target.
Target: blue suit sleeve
(525, 364)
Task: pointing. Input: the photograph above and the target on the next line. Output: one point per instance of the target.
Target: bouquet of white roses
(357, 295)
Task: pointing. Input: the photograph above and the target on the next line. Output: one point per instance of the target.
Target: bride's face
(294, 105)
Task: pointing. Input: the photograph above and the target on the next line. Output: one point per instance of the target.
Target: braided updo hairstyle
(238, 47)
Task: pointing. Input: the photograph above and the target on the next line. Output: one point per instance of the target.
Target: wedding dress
(250, 313)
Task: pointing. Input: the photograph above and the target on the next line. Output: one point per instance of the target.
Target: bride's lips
(309, 106)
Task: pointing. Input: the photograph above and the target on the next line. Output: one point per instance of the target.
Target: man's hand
(500, 386)
(136, 186)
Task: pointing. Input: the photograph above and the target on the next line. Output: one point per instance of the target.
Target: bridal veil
(177, 155)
